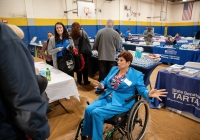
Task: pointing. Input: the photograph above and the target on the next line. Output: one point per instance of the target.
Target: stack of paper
(176, 68)
(189, 72)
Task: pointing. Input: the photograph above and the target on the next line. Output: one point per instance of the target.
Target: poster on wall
(86, 9)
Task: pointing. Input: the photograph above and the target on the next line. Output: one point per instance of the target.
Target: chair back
(192, 64)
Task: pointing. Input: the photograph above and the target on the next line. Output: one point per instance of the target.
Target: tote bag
(84, 46)
(67, 63)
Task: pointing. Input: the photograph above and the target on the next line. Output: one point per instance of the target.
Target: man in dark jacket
(22, 110)
(197, 36)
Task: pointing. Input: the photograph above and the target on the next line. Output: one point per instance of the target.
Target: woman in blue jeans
(121, 83)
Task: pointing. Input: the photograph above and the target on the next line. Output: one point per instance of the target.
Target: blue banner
(183, 92)
(176, 56)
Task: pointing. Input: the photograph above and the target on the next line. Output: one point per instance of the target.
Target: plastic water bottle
(48, 74)
(42, 72)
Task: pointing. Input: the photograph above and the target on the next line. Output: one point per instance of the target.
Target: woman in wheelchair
(121, 83)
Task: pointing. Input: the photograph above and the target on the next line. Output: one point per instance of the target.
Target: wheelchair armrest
(100, 91)
(131, 98)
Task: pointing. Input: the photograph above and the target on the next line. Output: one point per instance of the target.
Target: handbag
(84, 46)
(79, 59)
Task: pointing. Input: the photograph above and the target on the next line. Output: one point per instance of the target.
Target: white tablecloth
(61, 85)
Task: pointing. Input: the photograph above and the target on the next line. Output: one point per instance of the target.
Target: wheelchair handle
(132, 97)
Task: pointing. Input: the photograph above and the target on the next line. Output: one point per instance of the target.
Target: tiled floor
(163, 124)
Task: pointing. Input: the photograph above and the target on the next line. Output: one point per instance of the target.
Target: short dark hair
(117, 31)
(50, 32)
(127, 56)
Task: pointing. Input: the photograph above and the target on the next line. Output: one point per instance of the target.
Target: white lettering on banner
(174, 100)
(164, 56)
(179, 97)
(174, 57)
(170, 57)
(169, 51)
(196, 102)
(185, 96)
(192, 99)
(178, 91)
(193, 106)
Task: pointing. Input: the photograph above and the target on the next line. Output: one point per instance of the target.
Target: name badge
(128, 82)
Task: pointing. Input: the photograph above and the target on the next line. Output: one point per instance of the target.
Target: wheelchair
(131, 124)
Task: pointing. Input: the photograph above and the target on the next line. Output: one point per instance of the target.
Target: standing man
(107, 42)
(148, 35)
(128, 34)
(22, 110)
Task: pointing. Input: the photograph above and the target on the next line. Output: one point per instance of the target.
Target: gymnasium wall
(37, 17)
(185, 28)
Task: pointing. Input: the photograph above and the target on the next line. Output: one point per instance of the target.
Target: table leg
(58, 103)
(63, 106)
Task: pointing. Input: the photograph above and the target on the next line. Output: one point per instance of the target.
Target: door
(165, 31)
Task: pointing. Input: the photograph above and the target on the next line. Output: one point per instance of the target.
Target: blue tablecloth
(190, 40)
(181, 43)
(133, 46)
(176, 56)
(183, 92)
(178, 43)
(198, 59)
(93, 68)
(146, 71)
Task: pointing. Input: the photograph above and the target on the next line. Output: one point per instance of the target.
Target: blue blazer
(133, 80)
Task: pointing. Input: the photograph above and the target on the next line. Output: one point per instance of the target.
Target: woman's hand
(158, 93)
(98, 85)
(60, 48)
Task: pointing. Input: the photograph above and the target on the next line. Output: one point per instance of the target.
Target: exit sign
(4, 20)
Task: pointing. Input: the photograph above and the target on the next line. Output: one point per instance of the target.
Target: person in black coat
(22, 110)
(197, 36)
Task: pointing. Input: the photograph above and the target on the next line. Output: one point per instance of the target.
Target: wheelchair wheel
(79, 131)
(137, 120)
(109, 136)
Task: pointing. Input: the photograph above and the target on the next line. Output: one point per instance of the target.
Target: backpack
(79, 60)
(84, 46)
